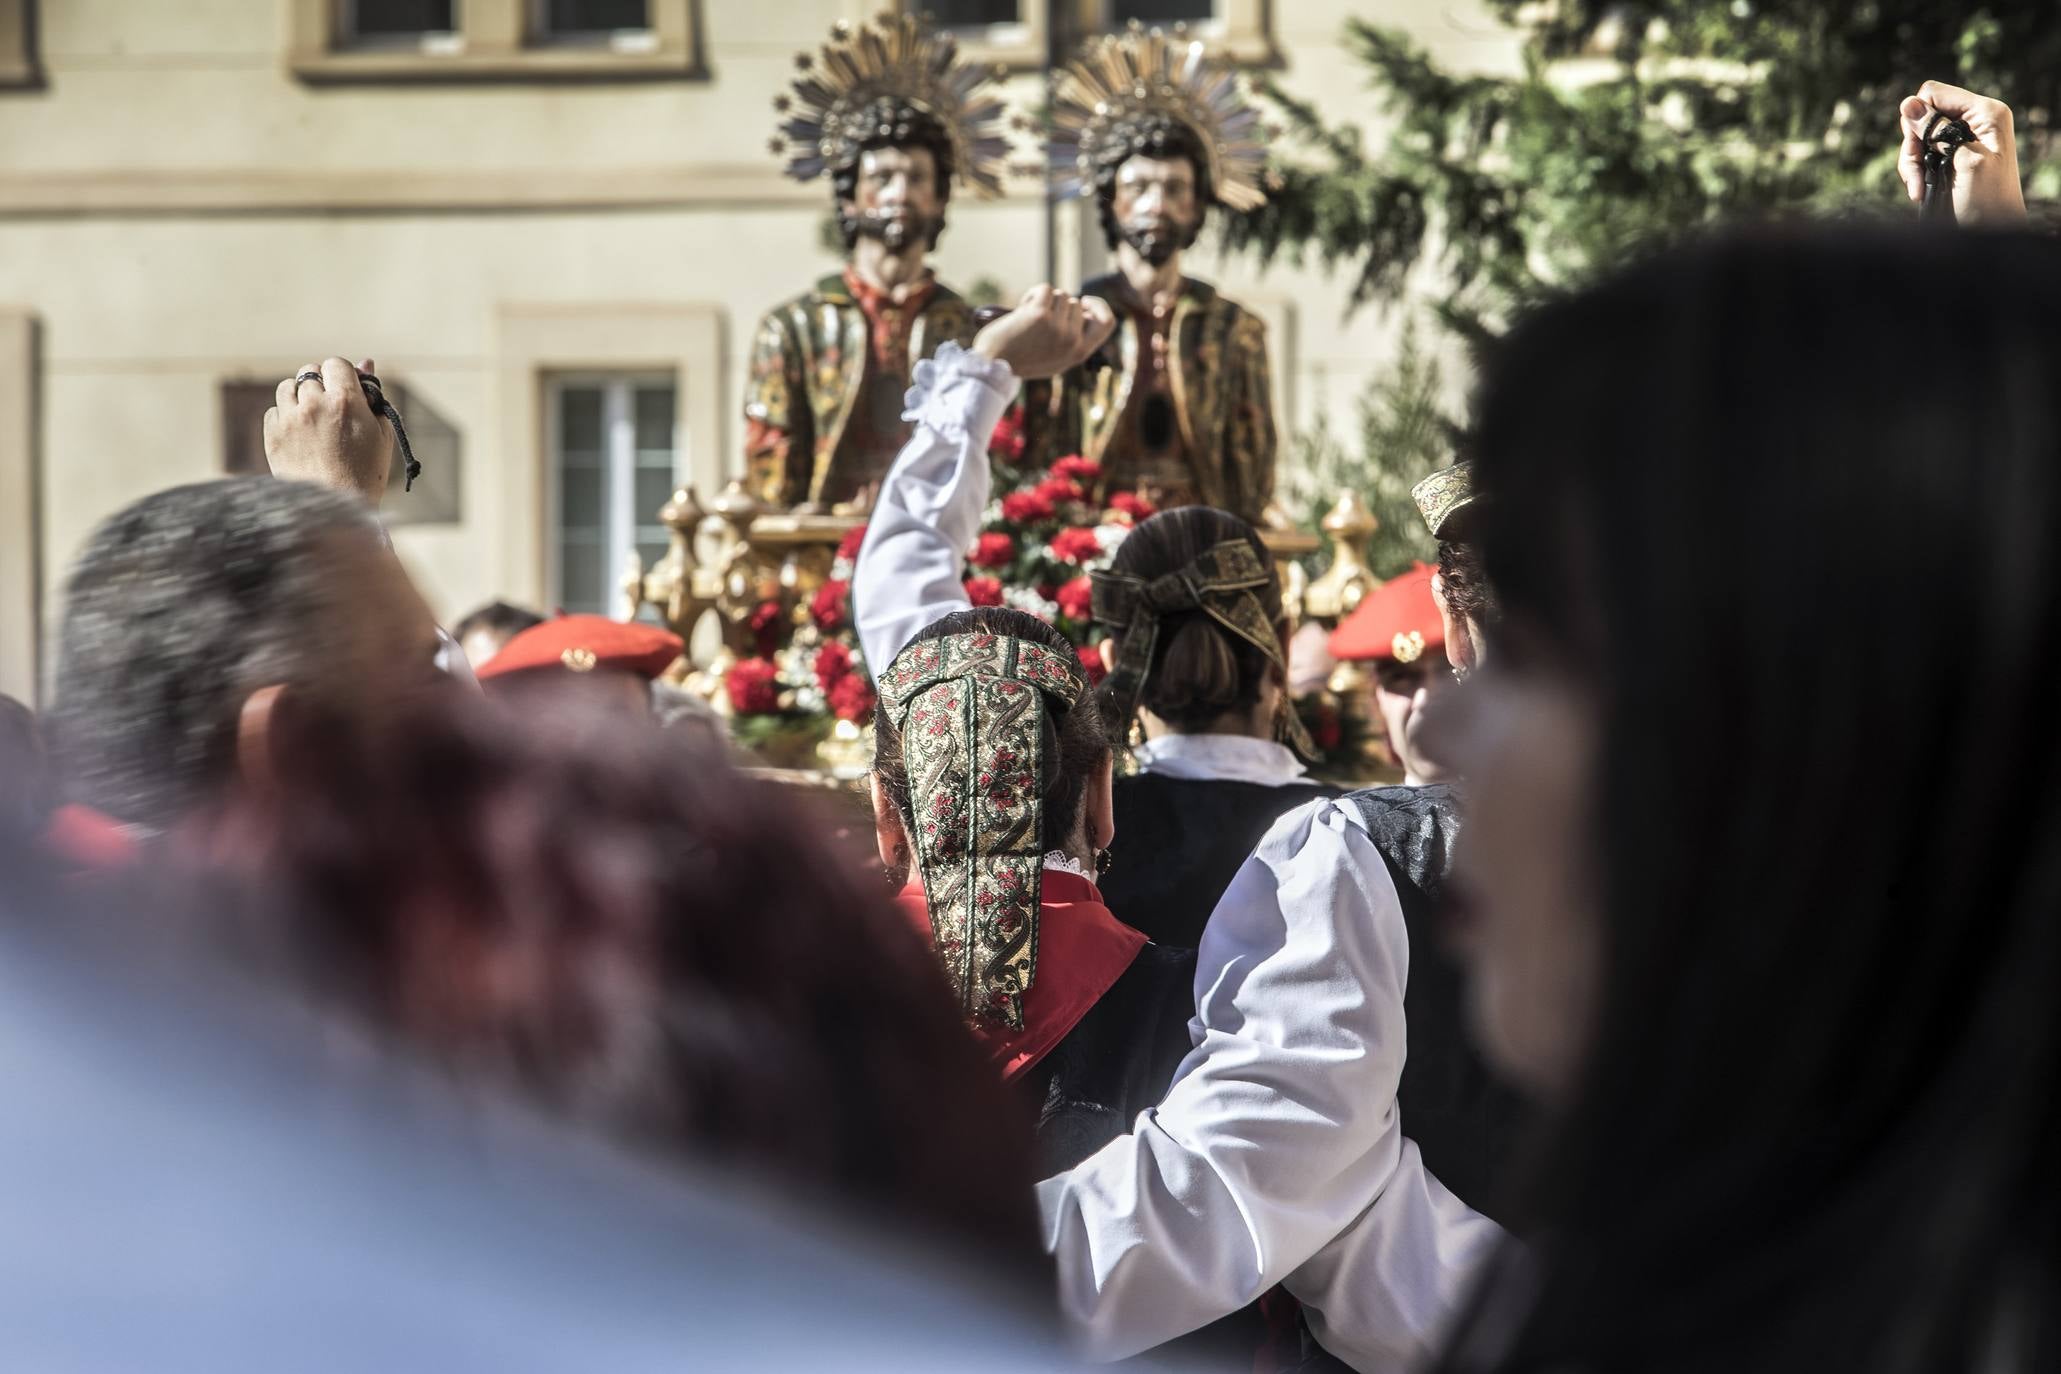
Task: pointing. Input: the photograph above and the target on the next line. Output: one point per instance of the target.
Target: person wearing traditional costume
(1398, 630)
(1295, 1146)
(892, 116)
(992, 774)
(1198, 669)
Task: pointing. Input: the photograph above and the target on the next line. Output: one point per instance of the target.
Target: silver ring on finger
(311, 375)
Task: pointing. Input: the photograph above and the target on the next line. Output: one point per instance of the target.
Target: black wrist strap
(1943, 135)
(375, 396)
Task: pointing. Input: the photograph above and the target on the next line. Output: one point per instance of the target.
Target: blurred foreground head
(192, 613)
(549, 894)
(1765, 850)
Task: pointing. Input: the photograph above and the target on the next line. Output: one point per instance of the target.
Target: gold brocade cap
(1108, 99)
(1443, 497)
(867, 81)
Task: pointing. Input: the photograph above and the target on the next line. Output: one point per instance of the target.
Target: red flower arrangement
(754, 686)
(831, 607)
(1132, 505)
(1091, 663)
(1060, 490)
(994, 550)
(1074, 546)
(765, 627)
(1021, 507)
(851, 698)
(833, 664)
(984, 591)
(1074, 468)
(1007, 442)
(1075, 599)
(848, 547)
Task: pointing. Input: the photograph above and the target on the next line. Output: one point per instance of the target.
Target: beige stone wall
(178, 208)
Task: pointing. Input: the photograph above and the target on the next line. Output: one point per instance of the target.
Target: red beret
(583, 643)
(1398, 620)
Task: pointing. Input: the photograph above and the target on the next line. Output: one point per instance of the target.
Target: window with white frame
(1017, 32)
(624, 25)
(513, 40)
(970, 14)
(430, 25)
(613, 463)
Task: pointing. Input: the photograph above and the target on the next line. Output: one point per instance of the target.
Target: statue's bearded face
(1156, 205)
(895, 196)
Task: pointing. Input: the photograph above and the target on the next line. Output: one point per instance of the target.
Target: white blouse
(1228, 758)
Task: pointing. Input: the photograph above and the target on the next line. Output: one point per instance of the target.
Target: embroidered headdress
(969, 708)
(1222, 583)
(873, 82)
(1444, 497)
(1110, 100)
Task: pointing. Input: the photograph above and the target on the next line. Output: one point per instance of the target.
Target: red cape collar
(1082, 951)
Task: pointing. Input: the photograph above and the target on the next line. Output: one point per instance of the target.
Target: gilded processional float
(1178, 413)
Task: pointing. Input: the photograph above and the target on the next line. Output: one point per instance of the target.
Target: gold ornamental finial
(873, 80)
(1106, 104)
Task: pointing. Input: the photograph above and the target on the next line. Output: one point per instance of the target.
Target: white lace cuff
(951, 389)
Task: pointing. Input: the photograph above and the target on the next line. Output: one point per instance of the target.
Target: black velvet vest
(1117, 1061)
(1463, 1119)
(1180, 841)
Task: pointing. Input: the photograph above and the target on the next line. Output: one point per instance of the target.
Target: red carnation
(1075, 546)
(1075, 599)
(1060, 490)
(1022, 507)
(1074, 468)
(848, 547)
(765, 626)
(852, 698)
(1007, 441)
(1091, 663)
(1129, 503)
(993, 551)
(984, 591)
(831, 608)
(754, 686)
(833, 664)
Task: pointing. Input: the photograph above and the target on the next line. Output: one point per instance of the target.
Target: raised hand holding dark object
(1047, 333)
(327, 428)
(1959, 160)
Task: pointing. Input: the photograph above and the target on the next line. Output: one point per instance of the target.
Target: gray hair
(181, 605)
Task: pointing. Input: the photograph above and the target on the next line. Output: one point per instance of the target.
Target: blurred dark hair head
(180, 606)
(497, 618)
(1200, 670)
(1788, 501)
(905, 126)
(1073, 741)
(618, 921)
(1154, 136)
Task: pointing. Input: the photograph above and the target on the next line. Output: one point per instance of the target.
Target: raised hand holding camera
(1959, 159)
(330, 426)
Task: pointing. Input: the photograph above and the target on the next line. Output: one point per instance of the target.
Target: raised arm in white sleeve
(1280, 1130)
(909, 568)
(1382, 1294)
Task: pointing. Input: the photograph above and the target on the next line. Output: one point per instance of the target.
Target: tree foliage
(1404, 437)
(1630, 125)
